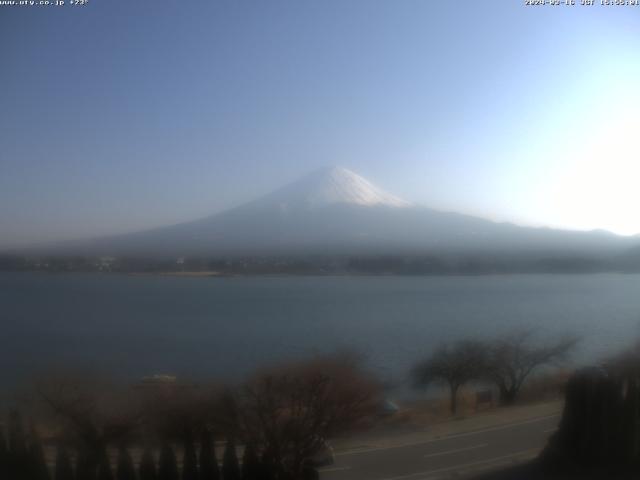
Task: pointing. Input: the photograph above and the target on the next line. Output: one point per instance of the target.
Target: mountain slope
(335, 211)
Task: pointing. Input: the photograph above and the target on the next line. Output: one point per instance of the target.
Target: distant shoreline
(180, 274)
(221, 275)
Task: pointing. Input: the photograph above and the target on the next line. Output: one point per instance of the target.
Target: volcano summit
(335, 211)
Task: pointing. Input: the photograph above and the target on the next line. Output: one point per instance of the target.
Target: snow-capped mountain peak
(334, 211)
(330, 186)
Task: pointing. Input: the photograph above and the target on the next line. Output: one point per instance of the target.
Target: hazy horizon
(296, 185)
(119, 117)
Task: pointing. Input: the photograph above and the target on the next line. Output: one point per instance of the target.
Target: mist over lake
(131, 326)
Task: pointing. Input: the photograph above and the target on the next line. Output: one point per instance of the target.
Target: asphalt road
(458, 455)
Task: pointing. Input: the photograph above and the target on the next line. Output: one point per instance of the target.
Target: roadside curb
(439, 432)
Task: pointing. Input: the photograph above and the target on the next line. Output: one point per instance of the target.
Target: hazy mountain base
(335, 221)
(337, 230)
(332, 265)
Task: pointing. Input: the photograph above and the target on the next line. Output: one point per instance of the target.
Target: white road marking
(448, 437)
(429, 473)
(457, 450)
(334, 469)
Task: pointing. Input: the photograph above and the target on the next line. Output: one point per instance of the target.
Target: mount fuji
(335, 211)
(330, 186)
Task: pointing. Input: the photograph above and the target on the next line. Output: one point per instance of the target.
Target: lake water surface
(225, 327)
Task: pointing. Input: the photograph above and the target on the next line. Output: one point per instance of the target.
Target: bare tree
(90, 412)
(291, 410)
(512, 358)
(174, 410)
(453, 365)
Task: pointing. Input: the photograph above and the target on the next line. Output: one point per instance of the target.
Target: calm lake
(133, 326)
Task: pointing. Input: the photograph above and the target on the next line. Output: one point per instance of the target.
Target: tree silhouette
(18, 461)
(86, 464)
(309, 472)
(208, 462)
(190, 461)
(3, 454)
(63, 469)
(17, 441)
(168, 466)
(230, 465)
(37, 462)
(599, 434)
(125, 469)
(251, 468)
(268, 466)
(291, 409)
(513, 357)
(104, 466)
(454, 365)
(147, 466)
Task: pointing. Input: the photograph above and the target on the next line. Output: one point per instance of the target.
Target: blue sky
(122, 115)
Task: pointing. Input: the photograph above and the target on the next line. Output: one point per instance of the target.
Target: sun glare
(597, 183)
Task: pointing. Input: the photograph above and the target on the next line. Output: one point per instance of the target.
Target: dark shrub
(168, 467)
(190, 461)
(148, 466)
(230, 465)
(63, 469)
(125, 469)
(251, 468)
(104, 467)
(208, 461)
